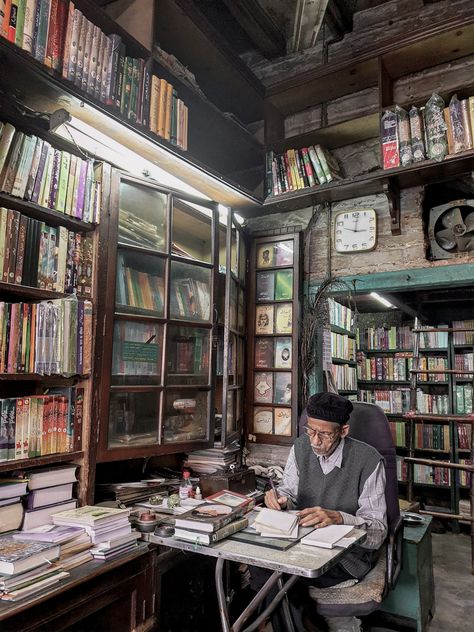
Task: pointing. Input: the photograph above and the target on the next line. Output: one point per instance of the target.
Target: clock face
(355, 231)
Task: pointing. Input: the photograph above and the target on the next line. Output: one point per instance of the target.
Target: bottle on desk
(186, 487)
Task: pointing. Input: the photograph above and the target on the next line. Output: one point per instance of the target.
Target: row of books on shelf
(343, 346)
(393, 402)
(384, 338)
(47, 257)
(137, 348)
(297, 169)
(190, 298)
(340, 315)
(136, 230)
(431, 403)
(276, 255)
(463, 399)
(427, 436)
(275, 286)
(31, 169)
(60, 36)
(344, 376)
(189, 354)
(272, 388)
(37, 425)
(429, 132)
(424, 474)
(273, 353)
(271, 319)
(465, 477)
(463, 337)
(272, 421)
(464, 362)
(136, 288)
(50, 338)
(394, 368)
(464, 436)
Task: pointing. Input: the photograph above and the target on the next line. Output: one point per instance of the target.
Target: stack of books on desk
(213, 459)
(26, 568)
(11, 509)
(108, 528)
(210, 523)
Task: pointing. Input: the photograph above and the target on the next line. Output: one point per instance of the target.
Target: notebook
(327, 537)
(271, 523)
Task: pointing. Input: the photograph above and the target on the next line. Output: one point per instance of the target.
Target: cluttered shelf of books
(51, 202)
(272, 378)
(161, 389)
(385, 359)
(427, 143)
(83, 53)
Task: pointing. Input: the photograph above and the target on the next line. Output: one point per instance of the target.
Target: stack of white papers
(328, 537)
(271, 523)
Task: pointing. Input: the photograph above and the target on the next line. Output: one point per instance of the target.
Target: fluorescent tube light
(382, 300)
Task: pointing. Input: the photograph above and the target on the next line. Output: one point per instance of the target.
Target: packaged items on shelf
(404, 136)
(389, 140)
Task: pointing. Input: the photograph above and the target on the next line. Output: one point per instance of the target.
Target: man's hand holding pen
(273, 501)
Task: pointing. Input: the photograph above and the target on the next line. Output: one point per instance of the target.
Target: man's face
(324, 436)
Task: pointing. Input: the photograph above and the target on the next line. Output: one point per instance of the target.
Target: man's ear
(345, 430)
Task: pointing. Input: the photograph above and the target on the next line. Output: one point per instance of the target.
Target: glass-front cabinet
(172, 363)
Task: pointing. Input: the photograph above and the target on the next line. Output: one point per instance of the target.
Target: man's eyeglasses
(324, 436)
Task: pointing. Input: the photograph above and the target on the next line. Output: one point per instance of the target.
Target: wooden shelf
(210, 136)
(6, 466)
(383, 351)
(49, 380)
(377, 182)
(394, 382)
(341, 330)
(335, 360)
(25, 291)
(402, 55)
(44, 214)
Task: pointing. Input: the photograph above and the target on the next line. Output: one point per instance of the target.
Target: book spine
(81, 43)
(52, 30)
(87, 56)
(97, 83)
(93, 58)
(112, 68)
(20, 256)
(78, 418)
(42, 32)
(53, 192)
(119, 78)
(20, 22)
(154, 104)
(29, 26)
(12, 21)
(104, 86)
(60, 35)
(69, 69)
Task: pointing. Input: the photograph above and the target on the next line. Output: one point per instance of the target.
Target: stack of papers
(271, 523)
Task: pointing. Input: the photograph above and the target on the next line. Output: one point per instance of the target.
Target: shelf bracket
(392, 191)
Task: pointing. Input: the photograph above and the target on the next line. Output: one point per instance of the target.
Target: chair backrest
(368, 423)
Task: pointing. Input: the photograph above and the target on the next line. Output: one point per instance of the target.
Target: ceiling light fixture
(382, 300)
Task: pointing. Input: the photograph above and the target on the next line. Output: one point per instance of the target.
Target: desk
(299, 561)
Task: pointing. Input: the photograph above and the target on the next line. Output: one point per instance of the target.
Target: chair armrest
(394, 554)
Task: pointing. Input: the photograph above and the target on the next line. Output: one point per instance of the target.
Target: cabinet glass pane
(136, 353)
(231, 425)
(222, 249)
(142, 216)
(240, 360)
(190, 292)
(232, 368)
(233, 252)
(140, 283)
(133, 419)
(278, 254)
(187, 354)
(191, 235)
(241, 311)
(186, 415)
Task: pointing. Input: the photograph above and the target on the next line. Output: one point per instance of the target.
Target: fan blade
(445, 239)
(466, 242)
(452, 217)
(469, 221)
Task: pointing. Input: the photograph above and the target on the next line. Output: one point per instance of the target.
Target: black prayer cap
(329, 407)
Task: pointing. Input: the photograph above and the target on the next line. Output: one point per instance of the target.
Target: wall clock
(355, 231)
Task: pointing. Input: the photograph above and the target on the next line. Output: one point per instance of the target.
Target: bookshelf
(210, 131)
(170, 259)
(273, 318)
(379, 66)
(387, 359)
(343, 348)
(47, 299)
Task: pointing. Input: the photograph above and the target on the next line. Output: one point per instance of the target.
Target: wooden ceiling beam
(259, 26)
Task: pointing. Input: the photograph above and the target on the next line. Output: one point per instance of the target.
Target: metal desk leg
(275, 578)
(286, 609)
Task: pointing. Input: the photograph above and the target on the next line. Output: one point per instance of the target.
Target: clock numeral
(355, 214)
(338, 241)
(372, 229)
(346, 215)
(371, 238)
(346, 246)
(354, 245)
(339, 232)
(372, 219)
(363, 244)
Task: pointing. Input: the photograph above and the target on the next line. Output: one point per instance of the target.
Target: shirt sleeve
(289, 484)
(372, 511)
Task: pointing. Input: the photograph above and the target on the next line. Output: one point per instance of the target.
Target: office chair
(368, 423)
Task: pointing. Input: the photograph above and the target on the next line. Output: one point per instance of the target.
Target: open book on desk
(271, 523)
(252, 534)
(329, 537)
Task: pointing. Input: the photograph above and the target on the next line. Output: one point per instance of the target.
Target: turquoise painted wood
(413, 596)
(412, 279)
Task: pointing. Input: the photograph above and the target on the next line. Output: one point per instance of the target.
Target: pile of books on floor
(213, 459)
(109, 529)
(222, 515)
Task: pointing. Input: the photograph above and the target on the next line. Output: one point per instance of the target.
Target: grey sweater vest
(339, 490)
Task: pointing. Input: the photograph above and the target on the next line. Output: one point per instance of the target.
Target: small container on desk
(240, 481)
